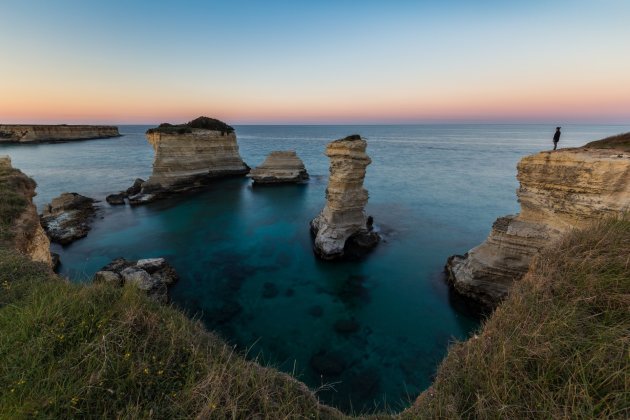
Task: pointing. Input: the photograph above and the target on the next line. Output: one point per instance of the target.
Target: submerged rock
(189, 156)
(328, 364)
(343, 228)
(346, 326)
(115, 199)
(559, 191)
(280, 167)
(151, 275)
(67, 217)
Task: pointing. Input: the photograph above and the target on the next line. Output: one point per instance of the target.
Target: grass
(619, 142)
(78, 351)
(13, 187)
(558, 347)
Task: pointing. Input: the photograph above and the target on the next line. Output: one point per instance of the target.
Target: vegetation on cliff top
(556, 348)
(619, 142)
(204, 123)
(13, 185)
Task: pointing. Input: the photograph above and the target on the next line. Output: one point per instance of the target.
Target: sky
(315, 62)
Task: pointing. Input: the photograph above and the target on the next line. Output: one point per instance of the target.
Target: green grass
(75, 351)
(13, 185)
(619, 142)
(558, 347)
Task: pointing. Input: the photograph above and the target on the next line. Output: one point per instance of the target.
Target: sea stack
(343, 229)
(68, 217)
(188, 156)
(23, 133)
(280, 167)
(559, 191)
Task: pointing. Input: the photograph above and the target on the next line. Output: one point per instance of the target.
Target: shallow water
(245, 259)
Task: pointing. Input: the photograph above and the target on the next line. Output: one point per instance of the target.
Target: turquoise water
(245, 259)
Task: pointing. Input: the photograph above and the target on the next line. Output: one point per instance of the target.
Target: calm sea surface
(245, 259)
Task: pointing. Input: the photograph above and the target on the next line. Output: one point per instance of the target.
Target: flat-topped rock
(189, 156)
(343, 228)
(25, 133)
(280, 167)
(67, 217)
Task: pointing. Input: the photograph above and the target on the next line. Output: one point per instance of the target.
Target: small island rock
(67, 217)
(280, 167)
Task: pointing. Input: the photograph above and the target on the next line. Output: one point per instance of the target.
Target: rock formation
(280, 167)
(153, 276)
(188, 156)
(67, 217)
(343, 228)
(558, 191)
(27, 234)
(117, 199)
(10, 133)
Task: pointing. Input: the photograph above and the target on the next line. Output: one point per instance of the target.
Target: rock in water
(67, 217)
(280, 167)
(115, 199)
(188, 156)
(343, 225)
(559, 191)
(151, 275)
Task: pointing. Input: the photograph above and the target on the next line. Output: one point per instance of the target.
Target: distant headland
(27, 133)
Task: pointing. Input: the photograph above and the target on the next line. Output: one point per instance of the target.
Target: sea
(378, 327)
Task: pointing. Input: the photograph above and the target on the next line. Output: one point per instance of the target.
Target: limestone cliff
(26, 234)
(559, 190)
(190, 155)
(280, 167)
(342, 225)
(10, 133)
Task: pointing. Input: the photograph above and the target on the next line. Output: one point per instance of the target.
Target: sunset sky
(301, 61)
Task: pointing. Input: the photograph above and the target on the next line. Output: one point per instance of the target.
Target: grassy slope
(69, 350)
(556, 348)
(619, 142)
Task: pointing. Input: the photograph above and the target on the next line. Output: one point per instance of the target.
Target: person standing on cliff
(556, 138)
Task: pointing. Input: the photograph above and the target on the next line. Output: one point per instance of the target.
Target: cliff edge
(20, 227)
(22, 133)
(559, 191)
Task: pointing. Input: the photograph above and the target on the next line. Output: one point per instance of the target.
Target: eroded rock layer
(558, 191)
(343, 225)
(10, 133)
(28, 236)
(187, 158)
(280, 167)
(67, 217)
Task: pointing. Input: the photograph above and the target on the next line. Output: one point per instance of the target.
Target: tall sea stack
(343, 228)
(188, 156)
(559, 191)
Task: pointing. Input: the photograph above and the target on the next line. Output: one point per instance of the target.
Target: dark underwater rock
(328, 364)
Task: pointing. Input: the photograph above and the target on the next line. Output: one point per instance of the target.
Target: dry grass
(618, 142)
(556, 348)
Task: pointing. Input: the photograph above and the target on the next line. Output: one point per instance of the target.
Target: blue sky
(315, 61)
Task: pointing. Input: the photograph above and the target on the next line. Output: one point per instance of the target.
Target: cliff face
(186, 161)
(27, 235)
(280, 167)
(343, 222)
(558, 191)
(54, 133)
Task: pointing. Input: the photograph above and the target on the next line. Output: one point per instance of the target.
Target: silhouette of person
(556, 138)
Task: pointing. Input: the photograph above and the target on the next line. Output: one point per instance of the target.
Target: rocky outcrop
(343, 228)
(67, 218)
(22, 133)
(559, 191)
(280, 167)
(118, 199)
(152, 276)
(189, 156)
(26, 233)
